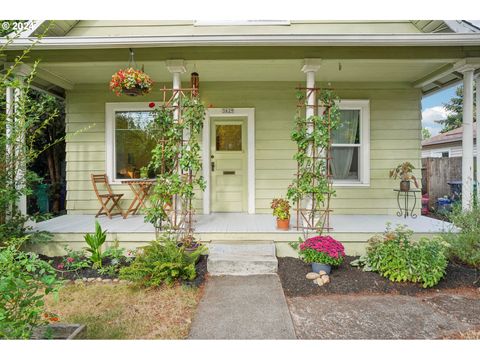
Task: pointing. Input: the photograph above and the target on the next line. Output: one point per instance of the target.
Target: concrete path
(243, 307)
(383, 317)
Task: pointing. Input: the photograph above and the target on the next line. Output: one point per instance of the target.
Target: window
(129, 147)
(228, 137)
(350, 163)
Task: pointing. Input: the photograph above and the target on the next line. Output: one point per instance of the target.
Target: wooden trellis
(313, 209)
(180, 211)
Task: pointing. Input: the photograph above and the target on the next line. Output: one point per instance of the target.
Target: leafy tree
(455, 108)
(426, 134)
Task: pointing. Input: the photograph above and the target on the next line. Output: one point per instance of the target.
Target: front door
(228, 165)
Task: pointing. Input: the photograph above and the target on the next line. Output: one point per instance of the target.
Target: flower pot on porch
(136, 91)
(283, 224)
(317, 267)
(405, 185)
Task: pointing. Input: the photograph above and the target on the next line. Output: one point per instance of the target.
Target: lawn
(119, 311)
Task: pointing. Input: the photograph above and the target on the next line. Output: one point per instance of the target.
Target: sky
(432, 109)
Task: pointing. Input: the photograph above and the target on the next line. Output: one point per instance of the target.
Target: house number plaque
(228, 111)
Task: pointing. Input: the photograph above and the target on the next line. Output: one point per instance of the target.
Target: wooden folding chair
(105, 199)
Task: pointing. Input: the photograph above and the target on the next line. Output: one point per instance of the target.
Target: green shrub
(161, 262)
(24, 281)
(395, 256)
(465, 244)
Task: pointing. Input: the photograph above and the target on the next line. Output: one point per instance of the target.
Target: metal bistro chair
(105, 199)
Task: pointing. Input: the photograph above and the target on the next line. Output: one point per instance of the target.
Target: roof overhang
(70, 42)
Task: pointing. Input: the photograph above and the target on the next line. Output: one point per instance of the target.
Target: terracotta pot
(283, 224)
(404, 185)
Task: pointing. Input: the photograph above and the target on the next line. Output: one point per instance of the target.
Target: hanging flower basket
(131, 82)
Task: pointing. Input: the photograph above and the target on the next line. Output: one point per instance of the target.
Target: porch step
(241, 258)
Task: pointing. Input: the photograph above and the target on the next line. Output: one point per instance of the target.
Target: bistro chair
(109, 201)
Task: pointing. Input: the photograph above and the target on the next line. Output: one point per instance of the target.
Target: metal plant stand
(404, 204)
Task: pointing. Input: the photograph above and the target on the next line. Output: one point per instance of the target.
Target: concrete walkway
(383, 316)
(243, 307)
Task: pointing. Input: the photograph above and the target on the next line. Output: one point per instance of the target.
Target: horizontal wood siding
(395, 137)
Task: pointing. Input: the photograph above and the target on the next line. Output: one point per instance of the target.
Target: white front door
(228, 164)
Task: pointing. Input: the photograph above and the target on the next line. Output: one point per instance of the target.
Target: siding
(159, 28)
(395, 137)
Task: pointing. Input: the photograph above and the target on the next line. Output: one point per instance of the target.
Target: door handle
(213, 165)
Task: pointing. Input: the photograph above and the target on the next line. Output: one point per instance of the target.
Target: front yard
(119, 311)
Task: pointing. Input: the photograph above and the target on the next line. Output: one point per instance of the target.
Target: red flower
(60, 266)
(70, 259)
(151, 105)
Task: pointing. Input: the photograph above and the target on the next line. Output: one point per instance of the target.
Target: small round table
(405, 210)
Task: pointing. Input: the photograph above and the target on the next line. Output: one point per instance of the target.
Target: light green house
(248, 74)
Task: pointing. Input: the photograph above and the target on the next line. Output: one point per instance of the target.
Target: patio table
(140, 189)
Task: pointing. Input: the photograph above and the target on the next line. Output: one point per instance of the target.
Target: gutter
(109, 42)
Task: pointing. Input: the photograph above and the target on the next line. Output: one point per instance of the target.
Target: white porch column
(477, 95)
(467, 139)
(176, 68)
(12, 98)
(310, 68)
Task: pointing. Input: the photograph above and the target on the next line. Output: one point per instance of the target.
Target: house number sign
(228, 111)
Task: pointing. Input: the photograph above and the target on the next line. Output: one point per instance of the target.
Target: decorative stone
(319, 281)
(122, 281)
(116, 280)
(312, 276)
(107, 280)
(99, 279)
(326, 279)
(84, 279)
(91, 279)
(322, 272)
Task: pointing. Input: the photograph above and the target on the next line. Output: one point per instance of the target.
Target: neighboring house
(448, 144)
(248, 74)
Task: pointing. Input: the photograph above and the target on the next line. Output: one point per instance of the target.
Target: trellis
(317, 115)
(177, 147)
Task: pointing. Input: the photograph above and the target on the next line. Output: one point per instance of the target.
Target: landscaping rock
(99, 279)
(326, 279)
(320, 281)
(115, 280)
(84, 279)
(322, 272)
(121, 281)
(107, 280)
(312, 276)
(91, 279)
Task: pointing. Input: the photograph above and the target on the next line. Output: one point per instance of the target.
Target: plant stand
(403, 201)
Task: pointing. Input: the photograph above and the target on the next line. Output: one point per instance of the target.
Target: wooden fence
(436, 173)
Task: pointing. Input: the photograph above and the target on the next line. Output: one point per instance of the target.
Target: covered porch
(352, 230)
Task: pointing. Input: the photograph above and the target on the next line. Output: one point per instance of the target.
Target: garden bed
(347, 279)
(90, 273)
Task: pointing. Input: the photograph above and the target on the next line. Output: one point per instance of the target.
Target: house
(448, 144)
(249, 71)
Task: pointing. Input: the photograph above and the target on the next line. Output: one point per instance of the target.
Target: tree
(426, 134)
(455, 111)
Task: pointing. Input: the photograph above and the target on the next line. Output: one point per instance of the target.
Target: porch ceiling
(332, 70)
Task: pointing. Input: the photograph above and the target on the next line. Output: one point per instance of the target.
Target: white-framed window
(350, 164)
(128, 148)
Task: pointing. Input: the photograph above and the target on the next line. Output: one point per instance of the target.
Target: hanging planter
(131, 81)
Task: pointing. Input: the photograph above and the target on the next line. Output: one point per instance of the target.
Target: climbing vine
(176, 162)
(312, 188)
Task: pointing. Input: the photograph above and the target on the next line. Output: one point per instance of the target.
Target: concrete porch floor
(239, 223)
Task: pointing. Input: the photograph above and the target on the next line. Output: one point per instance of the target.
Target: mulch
(347, 279)
(200, 267)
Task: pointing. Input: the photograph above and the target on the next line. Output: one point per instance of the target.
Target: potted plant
(322, 252)
(191, 246)
(404, 172)
(281, 209)
(131, 82)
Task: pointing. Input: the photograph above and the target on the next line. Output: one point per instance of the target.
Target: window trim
(364, 147)
(110, 109)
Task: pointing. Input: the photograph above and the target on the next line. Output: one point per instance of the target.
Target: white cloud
(431, 115)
